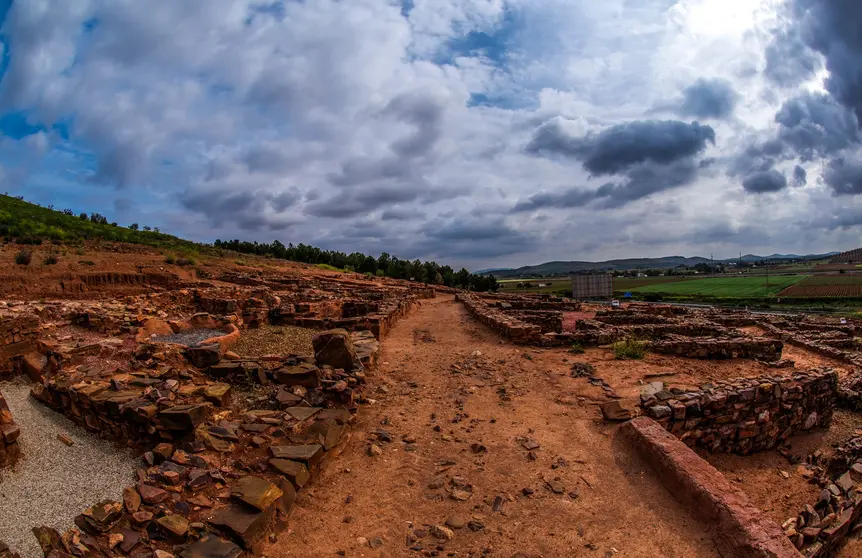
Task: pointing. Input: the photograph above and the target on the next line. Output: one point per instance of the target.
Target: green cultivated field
(631, 283)
(724, 287)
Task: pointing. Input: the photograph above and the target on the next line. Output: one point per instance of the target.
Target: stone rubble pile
(820, 528)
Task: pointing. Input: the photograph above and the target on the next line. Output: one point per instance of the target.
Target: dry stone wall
(748, 414)
(507, 326)
(768, 350)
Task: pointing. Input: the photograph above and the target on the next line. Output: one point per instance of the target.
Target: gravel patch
(52, 483)
(189, 338)
(274, 340)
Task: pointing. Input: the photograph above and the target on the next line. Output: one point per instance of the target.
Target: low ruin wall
(507, 326)
(759, 348)
(550, 321)
(748, 414)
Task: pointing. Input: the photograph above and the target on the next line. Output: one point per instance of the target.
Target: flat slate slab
(310, 454)
(242, 523)
(303, 413)
(293, 470)
(210, 546)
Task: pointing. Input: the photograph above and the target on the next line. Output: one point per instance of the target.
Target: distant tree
(83, 217)
(68, 212)
(155, 229)
(147, 228)
(133, 226)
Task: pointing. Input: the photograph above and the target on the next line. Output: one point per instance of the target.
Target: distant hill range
(667, 262)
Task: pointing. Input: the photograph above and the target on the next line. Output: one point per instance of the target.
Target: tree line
(384, 265)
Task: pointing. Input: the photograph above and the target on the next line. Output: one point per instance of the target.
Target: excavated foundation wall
(748, 414)
(763, 349)
(507, 326)
(17, 338)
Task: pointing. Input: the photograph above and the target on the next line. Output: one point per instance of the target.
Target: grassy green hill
(564, 268)
(27, 223)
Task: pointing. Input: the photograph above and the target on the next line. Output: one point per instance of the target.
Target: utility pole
(767, 272)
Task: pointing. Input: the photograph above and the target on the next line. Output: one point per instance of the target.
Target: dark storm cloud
(764, 181)
(726, 232)
(469, 237)
(362, 200)
(708, 98)
(813, 124)
(619, 147)
(246, 209)
(755, 158)
(402, 214)
(426, 114)
(800, 177)
(810, 126)
(641, 181)
(844, 175)
(832, 28)
(789, 61)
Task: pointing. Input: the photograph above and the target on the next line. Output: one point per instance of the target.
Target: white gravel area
(52, 483)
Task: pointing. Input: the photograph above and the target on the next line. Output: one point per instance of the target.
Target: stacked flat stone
(747, 414)
(17, 338)
(9, 432)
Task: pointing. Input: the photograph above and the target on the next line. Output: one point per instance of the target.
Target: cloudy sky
(482, 133)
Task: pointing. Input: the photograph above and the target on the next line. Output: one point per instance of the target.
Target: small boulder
(335, 348)
(204, 356)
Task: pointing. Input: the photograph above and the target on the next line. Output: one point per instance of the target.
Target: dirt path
(470, 406)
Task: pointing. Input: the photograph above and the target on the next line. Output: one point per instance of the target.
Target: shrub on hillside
(185, 261)
(170, 260)
(577, 349)
(24, 257)
(629, 349)
(87, 262)
(50, 259)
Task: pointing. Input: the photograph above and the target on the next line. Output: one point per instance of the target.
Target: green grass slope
(25, 223)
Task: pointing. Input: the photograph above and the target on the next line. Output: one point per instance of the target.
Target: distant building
(593, 286)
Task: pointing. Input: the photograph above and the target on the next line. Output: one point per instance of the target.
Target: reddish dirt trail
(432, 386)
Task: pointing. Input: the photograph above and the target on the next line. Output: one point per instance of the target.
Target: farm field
(727, 287)
(629, 283)
(845, 285)
(558, 284)
(552, 285)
